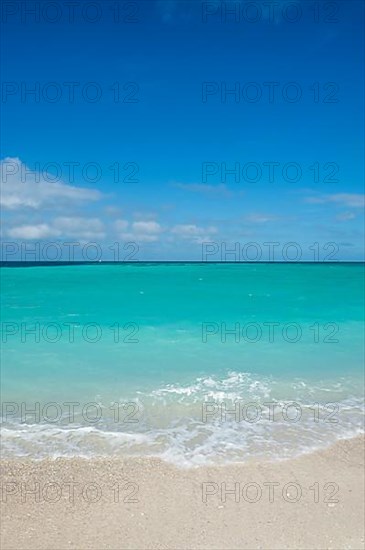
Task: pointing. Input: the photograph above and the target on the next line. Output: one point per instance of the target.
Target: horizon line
(19, 263)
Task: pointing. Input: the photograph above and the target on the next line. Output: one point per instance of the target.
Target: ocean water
(194, 363)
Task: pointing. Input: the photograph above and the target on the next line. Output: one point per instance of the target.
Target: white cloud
(141, 231)
(112, 211)
(144, 216)
(28, 232)
(151, 231)
(191, 229)
(121, 225)
(193, 232)
(83, 228)
(24, 188)
(78, 228)
(138, 237)
(147, 227)
(260, 218)
(343, 199)
(345, 216)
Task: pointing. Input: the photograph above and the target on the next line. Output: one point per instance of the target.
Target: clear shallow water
(160, 345)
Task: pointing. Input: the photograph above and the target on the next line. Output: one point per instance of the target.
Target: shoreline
(309, 502)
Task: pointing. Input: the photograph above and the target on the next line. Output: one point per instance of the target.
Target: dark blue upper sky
(177, 94)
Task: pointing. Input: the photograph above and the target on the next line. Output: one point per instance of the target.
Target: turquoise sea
(148, 359)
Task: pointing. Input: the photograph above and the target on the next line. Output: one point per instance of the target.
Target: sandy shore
(146, 503)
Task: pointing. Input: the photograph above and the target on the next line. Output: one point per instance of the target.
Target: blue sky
(292, 131)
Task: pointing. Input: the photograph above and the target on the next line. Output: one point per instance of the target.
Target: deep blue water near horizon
(175, 340)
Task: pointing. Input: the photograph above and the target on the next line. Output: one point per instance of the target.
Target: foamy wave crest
(210, 420)
(235, 386)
